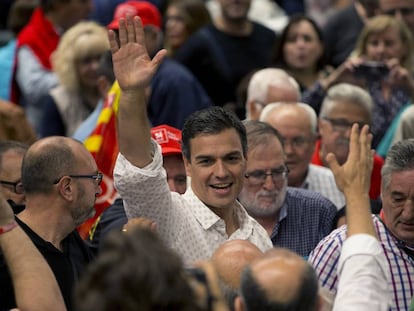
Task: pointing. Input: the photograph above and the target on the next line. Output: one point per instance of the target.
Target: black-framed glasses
(97, 177)
(258, 177)
(17, 186)
(342, 125)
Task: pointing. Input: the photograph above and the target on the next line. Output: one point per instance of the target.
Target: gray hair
(400, 158)
(346, 92)
(262, 79)
(313, 119)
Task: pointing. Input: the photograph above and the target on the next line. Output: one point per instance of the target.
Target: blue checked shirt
(326, 255)
(305, 218)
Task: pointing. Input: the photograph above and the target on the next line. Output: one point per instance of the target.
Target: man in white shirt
(214, 149)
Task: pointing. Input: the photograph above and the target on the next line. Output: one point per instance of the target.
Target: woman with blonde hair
(76, 63)
(382, 63)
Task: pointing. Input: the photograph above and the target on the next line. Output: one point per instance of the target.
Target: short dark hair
(135, 271)
(255, 298)
(41, 166)
(48, 5)
(211, 121)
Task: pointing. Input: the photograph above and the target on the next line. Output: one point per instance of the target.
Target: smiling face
(383, 46)
(264, 200)
(398, 205)
(216, 168)
(302, 48)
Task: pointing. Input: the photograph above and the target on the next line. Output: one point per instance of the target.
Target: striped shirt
(326, 255)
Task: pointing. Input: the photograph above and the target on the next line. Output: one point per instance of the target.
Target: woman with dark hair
(301, 51)
(182, 19)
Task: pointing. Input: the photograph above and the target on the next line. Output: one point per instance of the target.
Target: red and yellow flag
(103, 145)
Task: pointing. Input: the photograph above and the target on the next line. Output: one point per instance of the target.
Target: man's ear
(238, 304)
(65, 188)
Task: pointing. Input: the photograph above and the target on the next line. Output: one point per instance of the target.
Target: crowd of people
(189, 155)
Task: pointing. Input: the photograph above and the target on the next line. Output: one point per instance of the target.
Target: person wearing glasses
(344, 105)
(293, 218)
(11, 157)
(61, 182)
(297, 124)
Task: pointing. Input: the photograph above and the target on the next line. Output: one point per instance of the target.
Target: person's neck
(229, 215)
(91, 96)
(237, 28)
(305, 77)
(49, 226)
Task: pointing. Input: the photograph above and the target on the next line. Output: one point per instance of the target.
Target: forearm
(134, 131)
(35, 285)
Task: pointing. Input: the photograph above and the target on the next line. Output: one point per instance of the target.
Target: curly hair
(80, 41)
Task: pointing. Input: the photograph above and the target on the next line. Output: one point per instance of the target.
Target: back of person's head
(399, 158)
(135, 271)
(229, 260)
(281, 280)
(379, 24)
(211, 121)
(344, 92)
(45, 162)
(81, 43)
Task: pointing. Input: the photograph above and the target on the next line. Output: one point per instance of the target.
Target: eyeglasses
(296, 142)
(17, 187)
(342, 125)
(258, 177)
(97, 177)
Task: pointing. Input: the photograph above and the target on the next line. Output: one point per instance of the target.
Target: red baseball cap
(148, 12)
(168, 137)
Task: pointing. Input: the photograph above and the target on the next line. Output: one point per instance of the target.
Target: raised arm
(34, 283)
(353, 179)
(362, 267)
(134, 70)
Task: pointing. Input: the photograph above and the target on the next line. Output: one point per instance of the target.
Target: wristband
(8, 227)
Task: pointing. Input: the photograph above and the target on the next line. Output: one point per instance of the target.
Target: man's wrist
(8, 227)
